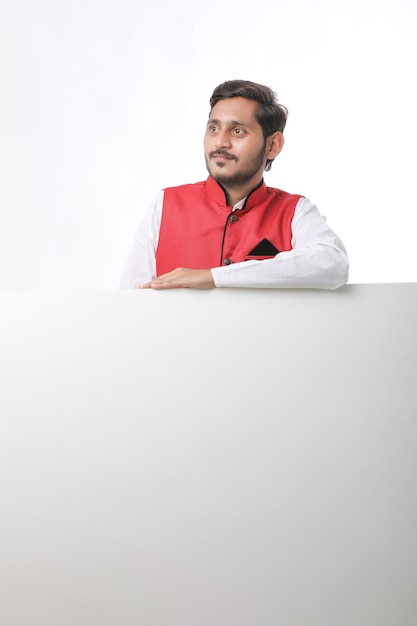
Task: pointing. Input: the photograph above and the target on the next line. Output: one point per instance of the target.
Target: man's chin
(220, 169)
(225, 180)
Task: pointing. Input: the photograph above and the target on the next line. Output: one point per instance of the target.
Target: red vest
(199, 231)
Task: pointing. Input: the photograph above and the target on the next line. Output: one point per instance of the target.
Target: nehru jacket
(199, 230)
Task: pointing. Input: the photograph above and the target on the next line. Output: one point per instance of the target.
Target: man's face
(234, 144)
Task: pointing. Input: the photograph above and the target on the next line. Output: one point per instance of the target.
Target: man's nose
(223, 139)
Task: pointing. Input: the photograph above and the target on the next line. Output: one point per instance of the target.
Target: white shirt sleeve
(140, 267)
(318, 258)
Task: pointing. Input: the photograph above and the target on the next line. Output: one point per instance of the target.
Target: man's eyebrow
(230, 123)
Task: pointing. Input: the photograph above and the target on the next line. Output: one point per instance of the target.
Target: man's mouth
(222, 155)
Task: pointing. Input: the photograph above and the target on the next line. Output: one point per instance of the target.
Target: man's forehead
(238, 109)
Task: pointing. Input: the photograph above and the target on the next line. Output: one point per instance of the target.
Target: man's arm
(140, 267)
(318, 259)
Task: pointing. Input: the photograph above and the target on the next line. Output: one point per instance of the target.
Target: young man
(232, 230)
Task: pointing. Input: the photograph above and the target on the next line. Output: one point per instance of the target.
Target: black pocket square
(264, 248)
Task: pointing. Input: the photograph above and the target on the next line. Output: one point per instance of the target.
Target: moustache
(222, 153)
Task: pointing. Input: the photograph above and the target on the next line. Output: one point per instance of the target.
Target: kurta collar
(216, 193)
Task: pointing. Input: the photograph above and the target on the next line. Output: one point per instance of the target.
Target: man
(232, 230)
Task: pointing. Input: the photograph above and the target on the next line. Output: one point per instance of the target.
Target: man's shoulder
(274, 191)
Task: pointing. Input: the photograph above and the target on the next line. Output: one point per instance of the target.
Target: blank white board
(215, 458)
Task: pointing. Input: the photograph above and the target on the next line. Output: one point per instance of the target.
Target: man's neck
(236, 194)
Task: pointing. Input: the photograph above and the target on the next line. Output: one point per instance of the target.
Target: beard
(240, 177)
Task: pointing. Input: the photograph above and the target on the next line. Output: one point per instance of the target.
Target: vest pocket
(259, 257)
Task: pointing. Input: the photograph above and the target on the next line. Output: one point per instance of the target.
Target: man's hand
(182, 277)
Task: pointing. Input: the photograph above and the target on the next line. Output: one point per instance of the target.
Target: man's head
(270, 114)
(243, 135)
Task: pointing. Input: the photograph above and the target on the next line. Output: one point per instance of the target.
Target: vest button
(227, 261)
(233, 219)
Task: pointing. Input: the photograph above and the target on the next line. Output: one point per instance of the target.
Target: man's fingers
(182, 277)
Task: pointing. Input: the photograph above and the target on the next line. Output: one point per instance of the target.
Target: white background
(103, 103)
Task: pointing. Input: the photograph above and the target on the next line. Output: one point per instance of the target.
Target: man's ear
(274, 145)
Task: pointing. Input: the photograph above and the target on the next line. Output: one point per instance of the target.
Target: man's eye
(238, 131)
(213, 128)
